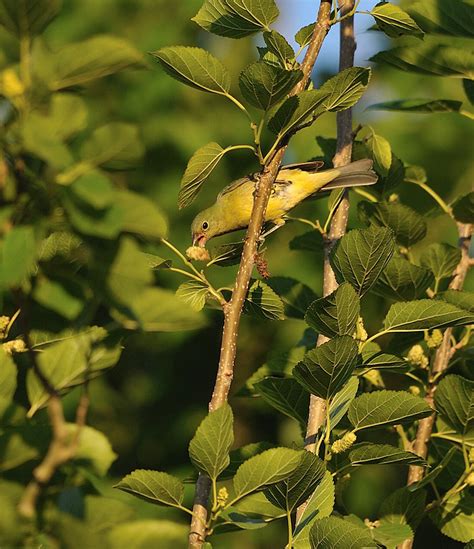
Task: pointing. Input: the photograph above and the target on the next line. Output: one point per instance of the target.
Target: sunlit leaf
(381, 153)
(394, 21)
(262, 85)
(199, 167)
(455, 518)
(285, 395)
(325, 369)
(140, 215)
(425, 314)
(236, 18)
(153, 486)
(453, 18)
(278, 46)
(462, 300)
(263, 302)
(209, 448)
(292, 492)
(7, 380)
(368, 453)
(403, 280)
(336, 314)
(361, 255)
(193, 293)
(17, 255)
(404, 507)
(409, 226)
(345, 89)
(335, 532)
(303, 36)
(265, 469)
(382, 408)
(93, 448)
(442, 259)
(454, 401)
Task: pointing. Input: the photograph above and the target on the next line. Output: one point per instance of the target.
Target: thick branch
(233, 310)
(440, 364)
(317, 405)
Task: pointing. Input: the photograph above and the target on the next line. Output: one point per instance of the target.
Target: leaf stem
(370, 197)
(240, 106)
(290, 529)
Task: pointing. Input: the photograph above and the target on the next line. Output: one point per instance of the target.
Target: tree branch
(440, 364)
(233, 309)
(347, 47)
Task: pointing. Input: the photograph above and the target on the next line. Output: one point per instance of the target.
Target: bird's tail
(355, 174)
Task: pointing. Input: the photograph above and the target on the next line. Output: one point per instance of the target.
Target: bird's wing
(305, 166)
(233, 186)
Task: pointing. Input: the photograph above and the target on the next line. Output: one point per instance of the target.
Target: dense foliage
(86, 262)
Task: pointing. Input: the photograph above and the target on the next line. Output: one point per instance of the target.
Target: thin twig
(317, 406)
(233, 309)
(440, 364)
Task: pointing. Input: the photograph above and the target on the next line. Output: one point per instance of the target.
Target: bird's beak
(200, 240)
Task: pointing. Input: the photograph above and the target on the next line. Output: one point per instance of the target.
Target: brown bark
(233, 310)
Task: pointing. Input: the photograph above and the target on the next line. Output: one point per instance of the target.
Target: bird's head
(204, 227)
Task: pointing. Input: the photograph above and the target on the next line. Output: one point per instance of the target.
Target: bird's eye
(205, 226)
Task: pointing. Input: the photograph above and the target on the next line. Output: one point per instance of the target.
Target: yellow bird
(294, 183)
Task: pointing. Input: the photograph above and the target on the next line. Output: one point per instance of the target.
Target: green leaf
(80, 62)
(193, 293)
(335, 533)
(455, 518)
(336, 314)
(138, 534)
(19, 445)
(462, 300)
(295, 295)
(263, 302)
(463, 208)
(319, 505)
(227, 254)
(257, 505)
(94, 448)
(199, 167)
(237, 457)
(114, 146)
(409, 226)
(195, 67)
(278, 46)
(210, 446)
(311, 241)
(95, 189)
(236, 18)
(303, 36)
(361, 255)
(401, 280)
(262, 85)
(391, 535)
(17, 255)
(341, 401)
(394, 21)
(295, 111)
(104, 223)
(153, 486)
(140, 215)
(27, 17)
(158, 310)
(430, 58)
(441, 259)
(395, 177)
(129, 274)
(65, 297)
(285, 395)
(325, 369)
(345, 89)
(373, 357)
(434, 472)
(422, 106)
(368, 453)
(265, 469)
(404, 507)
(454, 401)
(292, 492)
(381, 153)
(7, 380)
(454, 18)
(382, 408)
(425, 314)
